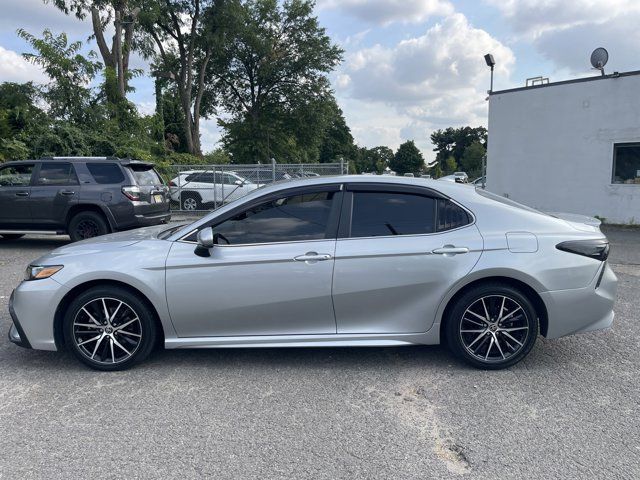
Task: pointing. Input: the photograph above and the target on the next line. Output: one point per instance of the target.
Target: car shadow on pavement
(35, 243)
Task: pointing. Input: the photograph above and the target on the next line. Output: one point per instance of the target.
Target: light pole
(490, 63)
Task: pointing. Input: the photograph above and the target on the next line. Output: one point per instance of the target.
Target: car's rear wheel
(87, 225)
(191, 202)
(109, 328)
(492, 326)
(11, 236)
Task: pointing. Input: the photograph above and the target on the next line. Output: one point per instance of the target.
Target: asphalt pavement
(571, 409)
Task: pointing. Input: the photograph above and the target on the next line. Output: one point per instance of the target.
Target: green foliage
(471, 161)
(373, 160)
(454, 141)
(408, 159)
(67, 95)
(269, 73)
(450, 165)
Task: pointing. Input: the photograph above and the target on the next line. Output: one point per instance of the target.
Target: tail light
(132, 193)
(172, 184)
(596, 249)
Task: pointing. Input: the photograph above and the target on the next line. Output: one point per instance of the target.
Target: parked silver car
(343, 261)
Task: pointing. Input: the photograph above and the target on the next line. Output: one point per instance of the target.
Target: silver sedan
(344, 261)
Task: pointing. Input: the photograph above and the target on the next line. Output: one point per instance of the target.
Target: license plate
(158, 198)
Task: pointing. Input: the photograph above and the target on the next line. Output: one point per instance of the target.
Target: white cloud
(432, 81)
(14, 68)
(566, 32)
(537, 16)
(384, 12)
(35, 15)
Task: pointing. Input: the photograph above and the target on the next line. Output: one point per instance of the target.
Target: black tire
(11, 236)
(85, 225)
(190, 201)
(135, 337)
(472, 339)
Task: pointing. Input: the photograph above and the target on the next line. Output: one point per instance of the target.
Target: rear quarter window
(106, 173)
(451, 216)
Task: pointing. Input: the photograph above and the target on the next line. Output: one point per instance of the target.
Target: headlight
(38, 272)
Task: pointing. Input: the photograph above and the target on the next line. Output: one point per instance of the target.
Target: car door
(15, 188)
(399, 250)
(269, 273)
(55, 190)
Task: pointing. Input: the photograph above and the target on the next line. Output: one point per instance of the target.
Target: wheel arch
(525, 287)
(58, 318)
(90, 207)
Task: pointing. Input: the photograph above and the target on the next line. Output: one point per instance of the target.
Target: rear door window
(58, 174)
(377, 214)
(106, 173)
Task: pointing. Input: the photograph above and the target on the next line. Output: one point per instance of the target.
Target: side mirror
(205, 242)
(239, 183)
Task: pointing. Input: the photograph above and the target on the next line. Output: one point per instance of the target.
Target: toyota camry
(326, 262)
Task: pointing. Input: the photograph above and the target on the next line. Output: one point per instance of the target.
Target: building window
(626, 163)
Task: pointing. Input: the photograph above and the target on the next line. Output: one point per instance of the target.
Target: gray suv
(81, 196)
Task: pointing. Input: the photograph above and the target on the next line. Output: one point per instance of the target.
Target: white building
(570, 146)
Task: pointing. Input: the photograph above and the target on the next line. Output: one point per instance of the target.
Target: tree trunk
(117, 52)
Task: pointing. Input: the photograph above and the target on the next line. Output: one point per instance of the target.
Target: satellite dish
(599, 58)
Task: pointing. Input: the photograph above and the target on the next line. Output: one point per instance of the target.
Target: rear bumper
(144, 216)
(582, 309)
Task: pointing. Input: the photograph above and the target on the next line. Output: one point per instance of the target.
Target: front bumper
(582, 309)
(32, 308)
(16, 333)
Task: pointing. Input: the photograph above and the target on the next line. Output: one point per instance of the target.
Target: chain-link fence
(207, 187)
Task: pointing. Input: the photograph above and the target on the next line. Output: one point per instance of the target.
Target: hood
(583, 223)
(109, 242)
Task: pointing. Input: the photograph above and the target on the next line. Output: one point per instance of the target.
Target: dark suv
(81, 196)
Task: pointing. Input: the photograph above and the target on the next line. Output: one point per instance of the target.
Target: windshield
(171, 230)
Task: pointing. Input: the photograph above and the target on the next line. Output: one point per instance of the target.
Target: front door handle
(67, 192)
(22, 194)
(450, 250)
(312, 257)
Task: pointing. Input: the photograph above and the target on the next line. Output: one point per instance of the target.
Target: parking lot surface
(571, 409)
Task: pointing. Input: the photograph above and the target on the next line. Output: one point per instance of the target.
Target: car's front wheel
(109, 328)
(492, 326)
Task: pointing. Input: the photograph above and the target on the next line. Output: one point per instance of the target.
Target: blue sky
(411, 66)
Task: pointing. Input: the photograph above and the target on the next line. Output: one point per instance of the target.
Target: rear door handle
(312, 257)
(450, 250)
(67, 192)
(22, 194)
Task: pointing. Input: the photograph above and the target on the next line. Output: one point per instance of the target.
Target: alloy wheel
(494, 328)
(189, 203)
(107, 331)
(87, 229)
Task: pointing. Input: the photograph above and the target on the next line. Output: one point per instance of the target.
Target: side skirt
(330, 340)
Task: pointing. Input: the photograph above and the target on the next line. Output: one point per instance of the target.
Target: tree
(373, 160)
(270, 74)
(450, 165)
(124, 16)
(337, 142)
(185, 35)
(408, 159)
(68, 94)
(471, 161)
(454, 141)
